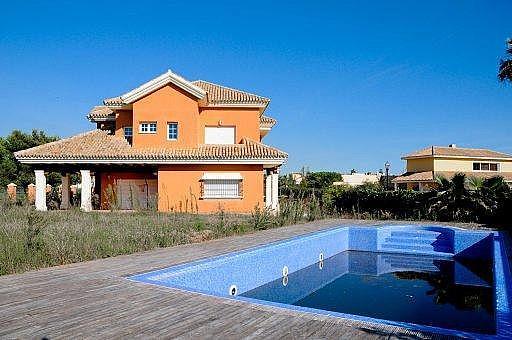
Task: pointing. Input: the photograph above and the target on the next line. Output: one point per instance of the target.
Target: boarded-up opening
(137, 193)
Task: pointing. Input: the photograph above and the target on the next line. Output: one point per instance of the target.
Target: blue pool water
(433, 278)
(418, 289)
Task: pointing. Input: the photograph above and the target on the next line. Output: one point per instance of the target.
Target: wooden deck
(94, 300)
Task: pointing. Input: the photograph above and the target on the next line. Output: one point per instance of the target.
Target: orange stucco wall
(171, 104)
(166, 105)
(245, 121)
(124, 118)
(179, 189)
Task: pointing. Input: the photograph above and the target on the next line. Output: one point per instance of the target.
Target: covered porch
(113, 187)
(100, 187)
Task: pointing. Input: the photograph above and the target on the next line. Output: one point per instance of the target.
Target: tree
(505, 69)
(322, 180)
(13, 171)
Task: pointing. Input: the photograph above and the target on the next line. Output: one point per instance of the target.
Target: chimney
(452, 145)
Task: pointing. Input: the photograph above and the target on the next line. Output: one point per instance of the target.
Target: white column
(64, 201)
(86, 191)
(268, 190)
(275, 190)
(40, 190)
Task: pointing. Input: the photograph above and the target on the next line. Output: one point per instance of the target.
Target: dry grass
(30, 239)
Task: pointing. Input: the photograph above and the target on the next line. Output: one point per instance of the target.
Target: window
(147, 127)
(128, 133)
(221, 188)
(485, 166)
(219, 135)
(221, 185)
(172, 131)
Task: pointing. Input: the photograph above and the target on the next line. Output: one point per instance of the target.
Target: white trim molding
(159, 82)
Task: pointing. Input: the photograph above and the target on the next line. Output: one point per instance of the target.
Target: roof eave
(457, 157)
(44, 160)
(101, 119)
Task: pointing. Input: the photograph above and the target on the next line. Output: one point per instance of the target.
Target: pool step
(410, 240)
(416, 241)
(414, 233)
(408, 262)
(416, 247)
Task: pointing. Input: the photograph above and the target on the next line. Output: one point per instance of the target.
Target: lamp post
(387, 165)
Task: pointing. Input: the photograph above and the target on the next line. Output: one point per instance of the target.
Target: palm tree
(475, 183)
(505, 70)
(454, 201)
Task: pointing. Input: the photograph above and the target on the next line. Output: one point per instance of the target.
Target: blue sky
(352, 83)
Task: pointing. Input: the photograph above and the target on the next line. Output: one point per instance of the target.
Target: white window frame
(221, 186)
(147, 127)
(168, 130)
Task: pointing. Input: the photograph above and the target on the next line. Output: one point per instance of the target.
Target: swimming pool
(432, 278)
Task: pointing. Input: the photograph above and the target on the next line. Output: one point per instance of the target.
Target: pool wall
(255, 267)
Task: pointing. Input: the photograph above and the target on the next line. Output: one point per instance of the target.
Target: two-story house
(425, 165)
(180, 145)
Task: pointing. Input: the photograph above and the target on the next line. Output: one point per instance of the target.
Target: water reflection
(418, 289)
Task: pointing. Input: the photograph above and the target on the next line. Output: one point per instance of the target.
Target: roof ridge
(463, 148)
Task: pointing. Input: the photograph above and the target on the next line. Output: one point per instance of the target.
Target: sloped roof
(218, 94)
(267, 122)
(213, 94)
(456, 152)
(101, 112)
(429, 176)
(98, 145)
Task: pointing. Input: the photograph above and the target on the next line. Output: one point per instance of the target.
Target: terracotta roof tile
(456, 152)
(114, 101)
(101, 112)
(428, 176)
(99, 145)
(218, 94)
(267, 122)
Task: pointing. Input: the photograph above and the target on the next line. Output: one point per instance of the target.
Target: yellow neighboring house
(425, 165)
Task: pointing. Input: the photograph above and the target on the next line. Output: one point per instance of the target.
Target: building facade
(356, 179)
(424, 166)
(182, 146)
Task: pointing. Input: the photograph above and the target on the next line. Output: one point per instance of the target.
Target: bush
(455, 200)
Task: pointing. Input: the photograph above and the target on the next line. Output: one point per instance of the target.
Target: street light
(387, 165)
